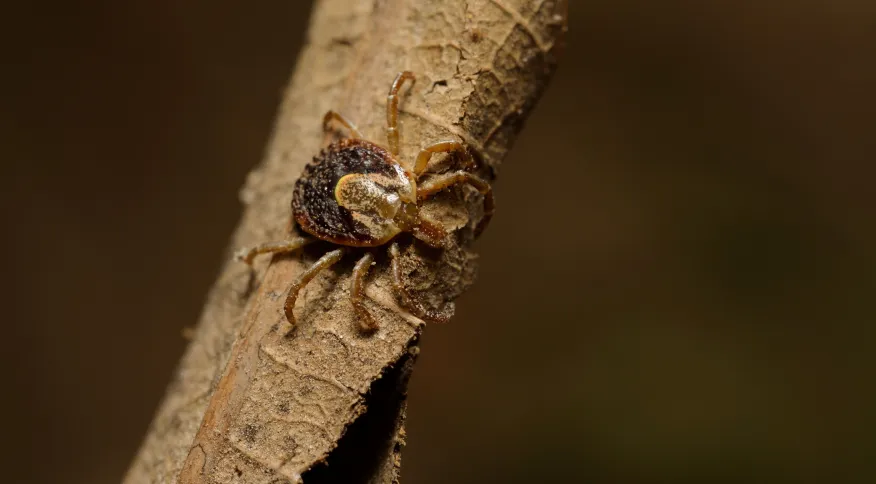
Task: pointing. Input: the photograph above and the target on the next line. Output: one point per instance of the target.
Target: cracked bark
(256, 402)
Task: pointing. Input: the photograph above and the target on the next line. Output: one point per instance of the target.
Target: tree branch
(257, 401)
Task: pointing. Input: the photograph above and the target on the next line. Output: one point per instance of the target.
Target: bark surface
(256, 401)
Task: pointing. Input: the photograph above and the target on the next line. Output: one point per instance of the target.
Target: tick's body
(357, 194)
(348, 172)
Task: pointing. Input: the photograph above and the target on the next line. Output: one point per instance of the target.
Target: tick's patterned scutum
(314, 204)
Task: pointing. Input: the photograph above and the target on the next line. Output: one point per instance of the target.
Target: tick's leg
(360, 271)
(402, 293)
(324, 262)
(439, 147)
(333, 116)
(432, 234)
(247, 255)
(440, 182)
(392, 110)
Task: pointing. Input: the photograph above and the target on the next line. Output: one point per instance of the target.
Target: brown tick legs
(407, 300)
(333, 116)
(440, 182)
(439, 147)
(432, 234)
(323, 263)
(392, 110)
(357, 283)
(282, 246)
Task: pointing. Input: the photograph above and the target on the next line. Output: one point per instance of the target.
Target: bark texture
(255, 401)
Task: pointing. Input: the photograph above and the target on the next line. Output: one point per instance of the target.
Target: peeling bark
(256, 401)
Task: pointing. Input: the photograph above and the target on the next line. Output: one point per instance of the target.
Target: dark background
(714, 295)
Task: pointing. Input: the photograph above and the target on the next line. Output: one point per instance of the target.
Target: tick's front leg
(438, 183)
(445, 146)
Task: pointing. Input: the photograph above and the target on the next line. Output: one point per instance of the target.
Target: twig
(255, 401)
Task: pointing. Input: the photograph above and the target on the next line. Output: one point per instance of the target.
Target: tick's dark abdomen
(314, 205)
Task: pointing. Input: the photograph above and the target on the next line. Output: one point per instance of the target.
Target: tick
(357, 195)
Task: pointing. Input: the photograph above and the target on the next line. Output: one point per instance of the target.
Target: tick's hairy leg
(357, 285)
(432, 234)
(340, 119)
(392, 109)
(324, 262)
(278, 247)
(441, 182)
(445, 146)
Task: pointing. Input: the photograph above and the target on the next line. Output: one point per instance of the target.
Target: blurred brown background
(715, 296)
